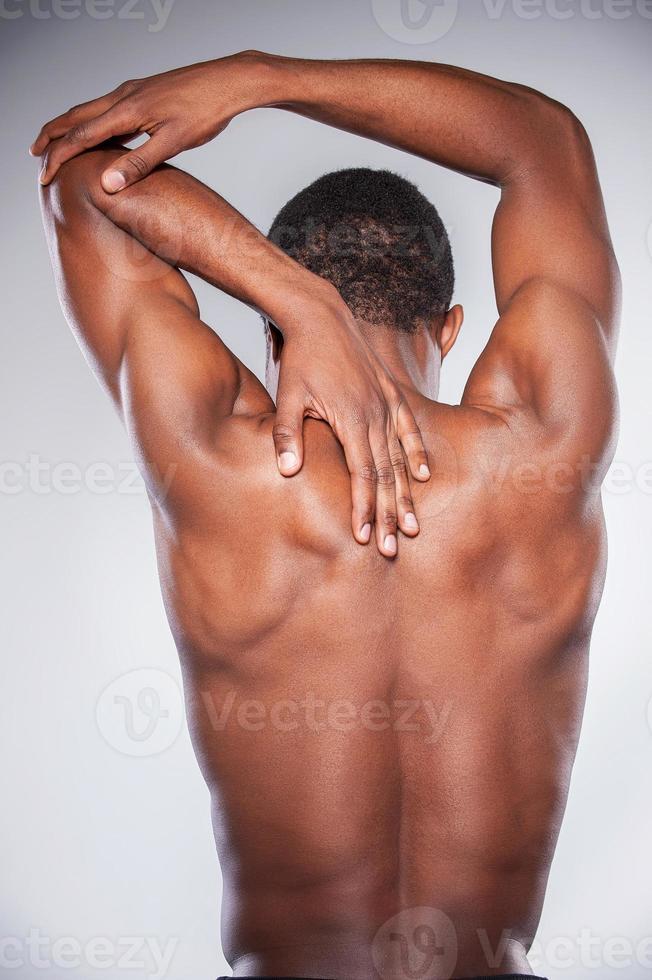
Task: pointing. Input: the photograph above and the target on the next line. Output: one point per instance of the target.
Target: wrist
(271, 79)
(257, 78)
(305, 302)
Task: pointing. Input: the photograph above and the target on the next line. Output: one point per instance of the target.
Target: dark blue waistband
(499, 976)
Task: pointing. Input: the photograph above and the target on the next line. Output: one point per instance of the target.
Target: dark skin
(332, 810)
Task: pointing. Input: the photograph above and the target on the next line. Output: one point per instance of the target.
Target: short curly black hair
(374, 236)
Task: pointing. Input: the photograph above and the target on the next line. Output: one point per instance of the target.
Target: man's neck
(413, 358)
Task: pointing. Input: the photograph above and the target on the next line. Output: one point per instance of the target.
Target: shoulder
(548, 371)
(505, 476)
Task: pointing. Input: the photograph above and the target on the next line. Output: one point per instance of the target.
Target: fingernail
(423, 470)
(411, 522)
(114, 180)
(41, 176)
(390, 544)
(365, 532)
(287, 460)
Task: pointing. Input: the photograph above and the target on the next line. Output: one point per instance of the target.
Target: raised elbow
(69, 190)
(571, 131)
(76, 184)
(559, 132)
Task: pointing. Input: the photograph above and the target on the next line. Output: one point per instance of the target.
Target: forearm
(191, 227)
(471, 123)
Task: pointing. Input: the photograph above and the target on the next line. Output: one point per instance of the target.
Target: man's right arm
(548, 363)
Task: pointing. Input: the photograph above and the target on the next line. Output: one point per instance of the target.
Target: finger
(136, 164)
(405, 511)
(411, 440)
(60, 125)
(288, 435)
(82, 137)
(386, 518)
(360, 463)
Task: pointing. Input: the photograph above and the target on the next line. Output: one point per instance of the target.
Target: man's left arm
(137, 321)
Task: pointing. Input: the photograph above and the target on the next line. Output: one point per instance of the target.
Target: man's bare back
(387, 732)
(383, 736)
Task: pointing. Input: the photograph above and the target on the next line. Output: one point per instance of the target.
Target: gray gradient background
(98, 843)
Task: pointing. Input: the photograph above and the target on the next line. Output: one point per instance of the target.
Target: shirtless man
(387, 731)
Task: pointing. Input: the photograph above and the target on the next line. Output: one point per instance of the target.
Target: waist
(415, 944)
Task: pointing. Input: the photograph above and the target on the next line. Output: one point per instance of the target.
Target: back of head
(377, 239)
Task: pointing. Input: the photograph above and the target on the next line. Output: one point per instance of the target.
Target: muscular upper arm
(137, 321)
(550, 356)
